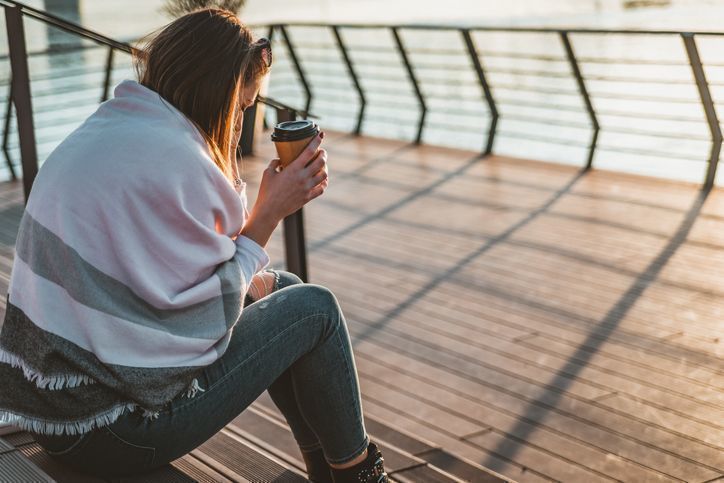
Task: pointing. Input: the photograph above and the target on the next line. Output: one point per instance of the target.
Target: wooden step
(225, 457)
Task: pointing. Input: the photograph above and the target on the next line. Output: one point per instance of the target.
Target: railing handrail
(68, 26)
(489, 28)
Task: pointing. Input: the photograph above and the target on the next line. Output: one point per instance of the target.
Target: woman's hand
(261, 285)
(281, 193)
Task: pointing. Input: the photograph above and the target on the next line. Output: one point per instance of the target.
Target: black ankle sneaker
(371, 470)
(317, 467)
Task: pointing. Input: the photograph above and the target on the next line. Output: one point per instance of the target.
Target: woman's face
(248, 95)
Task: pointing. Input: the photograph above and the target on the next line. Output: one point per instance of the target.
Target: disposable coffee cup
(291, 137)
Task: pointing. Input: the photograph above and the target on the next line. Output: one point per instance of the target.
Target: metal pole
(21, 94)
(6, 131)
(413, 80)
(107, 80)
(270, 37)
(295, 246)
(355, 78)
(584, 94)
(246, 143)
(492, 107)
(708, 105)
(298, 67)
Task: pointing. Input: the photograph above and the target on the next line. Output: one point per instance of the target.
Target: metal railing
(339, 51)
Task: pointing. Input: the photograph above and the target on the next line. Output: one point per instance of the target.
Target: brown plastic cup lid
(294, 131)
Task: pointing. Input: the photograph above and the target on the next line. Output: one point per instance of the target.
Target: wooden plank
(235, 459)
(59, 472)
(450, 421)
(502, 413)
(452, 327)
(448, 313)
(426, 473)
(411, 326)
(18, 438)
(399, 449)
(606, 436)
(667, 350)
(188, 465)
(356, 313)
(452, 464)
(185, 469)
(348, 196)
(15, 467)
(276, 437)
(376, 247)
(268, 433)
(410, 422)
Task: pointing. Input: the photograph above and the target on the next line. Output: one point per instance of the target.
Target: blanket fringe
(42, 381)
(193, 389)
(41, 426)
(150, 415)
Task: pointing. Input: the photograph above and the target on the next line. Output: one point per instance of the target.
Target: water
(529, 127)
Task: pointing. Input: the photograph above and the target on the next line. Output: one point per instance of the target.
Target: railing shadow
(535, 411)
(319, 244)
(447, 274)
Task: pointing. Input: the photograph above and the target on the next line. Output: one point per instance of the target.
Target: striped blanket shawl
(129, 271)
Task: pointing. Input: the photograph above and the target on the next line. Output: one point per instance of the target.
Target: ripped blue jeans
(293, 342)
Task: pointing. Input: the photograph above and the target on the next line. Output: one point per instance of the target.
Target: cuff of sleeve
(257, 253)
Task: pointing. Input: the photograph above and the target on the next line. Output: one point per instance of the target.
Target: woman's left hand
(261, 285)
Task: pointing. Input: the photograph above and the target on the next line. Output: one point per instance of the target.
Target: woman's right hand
(282, 192)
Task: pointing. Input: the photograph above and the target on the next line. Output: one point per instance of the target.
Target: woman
(124, 340)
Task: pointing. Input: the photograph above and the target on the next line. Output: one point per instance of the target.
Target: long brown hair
(200, 63)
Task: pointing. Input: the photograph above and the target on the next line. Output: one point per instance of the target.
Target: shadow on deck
(542, 322)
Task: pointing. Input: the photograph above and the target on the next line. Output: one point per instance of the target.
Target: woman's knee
(322, 296)
(286, 279)
(317, 299)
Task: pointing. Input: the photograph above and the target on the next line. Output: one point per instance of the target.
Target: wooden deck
(546, 324)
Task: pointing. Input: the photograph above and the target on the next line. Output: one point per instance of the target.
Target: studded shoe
(371, 470)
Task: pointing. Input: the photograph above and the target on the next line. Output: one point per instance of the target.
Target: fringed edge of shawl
(42, 426)
(41, 380)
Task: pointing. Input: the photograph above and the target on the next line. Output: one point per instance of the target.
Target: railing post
(6, 131)
(353, 75)
(413, 80)
(708, 104)
(295, 246)
(492, 107)
(248, 125)
(270, 38)
(21, 94)
(107, 80)
(298, 68)
(584, 94)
